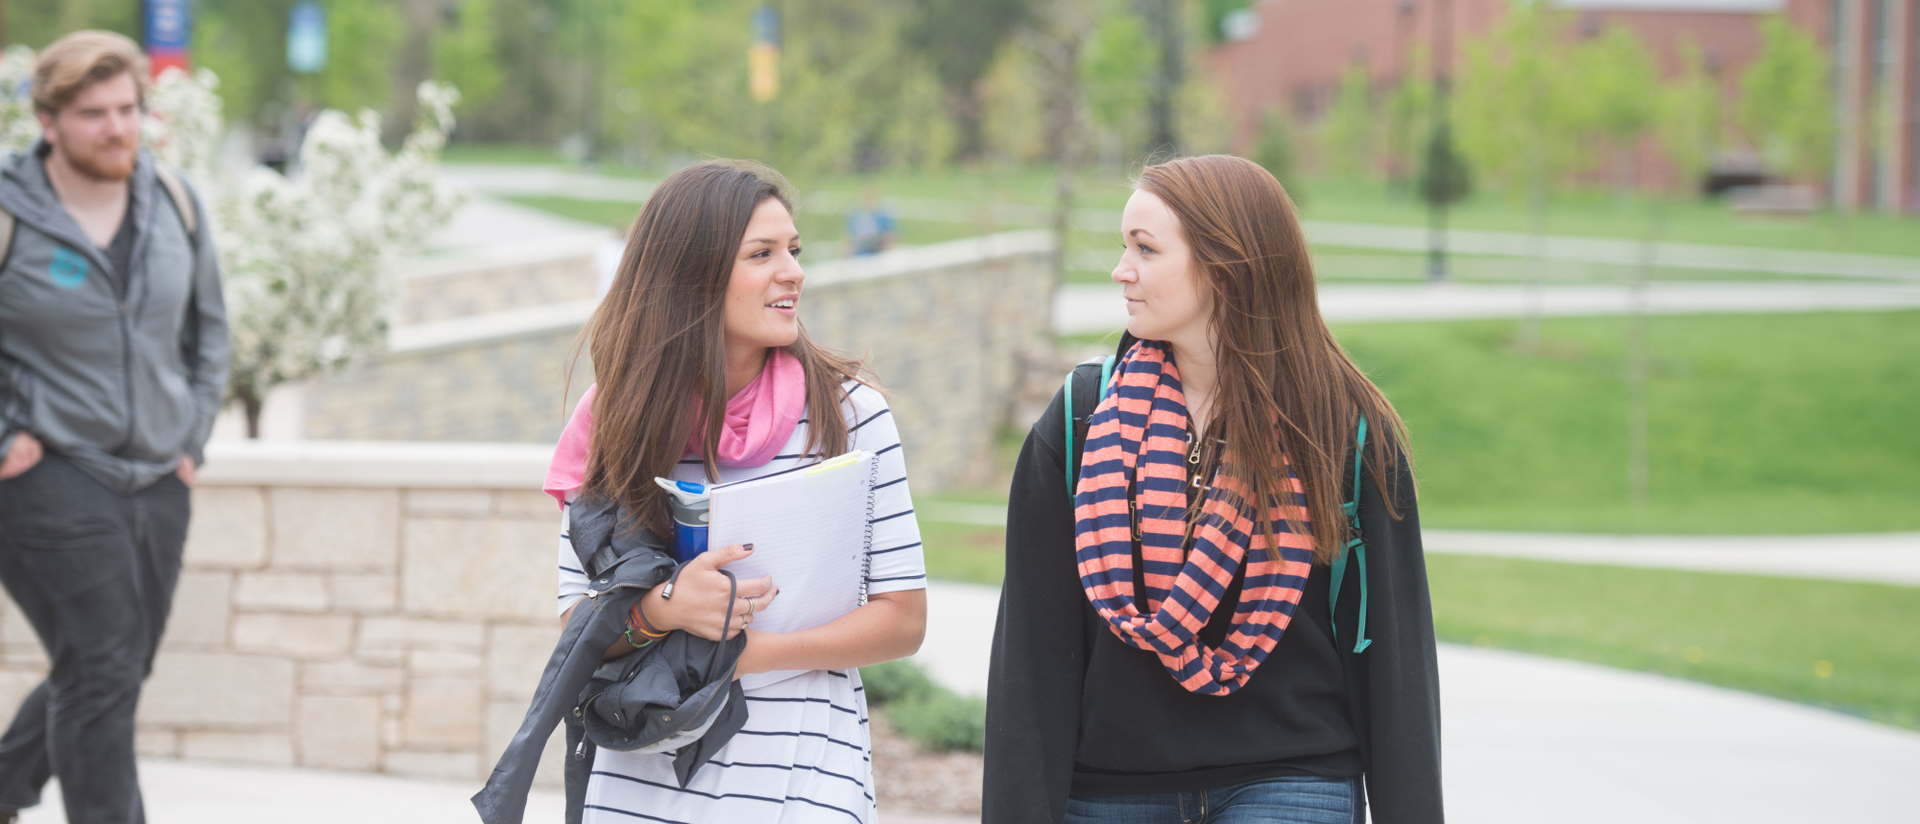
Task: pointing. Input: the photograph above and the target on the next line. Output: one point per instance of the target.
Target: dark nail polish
(747, 547)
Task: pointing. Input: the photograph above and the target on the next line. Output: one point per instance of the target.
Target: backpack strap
(6, 236)
(176, 191)
(1078, 426)
(1356, 545)
(182, 202)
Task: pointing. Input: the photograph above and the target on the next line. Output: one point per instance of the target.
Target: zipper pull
(593, 593)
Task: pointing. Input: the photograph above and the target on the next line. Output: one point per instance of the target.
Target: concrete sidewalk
(1530, 739)
(1874, 558)
(1099, 307)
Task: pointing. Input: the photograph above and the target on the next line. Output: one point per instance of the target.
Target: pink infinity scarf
(759, 419)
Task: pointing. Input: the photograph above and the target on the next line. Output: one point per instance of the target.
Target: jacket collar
(28, 195)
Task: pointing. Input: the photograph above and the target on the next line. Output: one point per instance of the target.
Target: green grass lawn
(1598, 214)
(815, 228)
(1595, 213)
(1840, 645)
(1757, 423)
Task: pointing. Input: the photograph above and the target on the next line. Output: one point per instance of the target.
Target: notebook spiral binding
(866, 548)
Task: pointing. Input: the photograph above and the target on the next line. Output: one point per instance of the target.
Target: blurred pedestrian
(113, 361)
(870, 225)
(1166, 647)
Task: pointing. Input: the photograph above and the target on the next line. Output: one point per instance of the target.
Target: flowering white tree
(305, 256)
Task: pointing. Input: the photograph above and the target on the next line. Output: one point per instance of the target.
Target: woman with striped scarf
(1215, 606)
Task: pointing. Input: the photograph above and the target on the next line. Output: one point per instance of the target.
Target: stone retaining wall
(384, 607)
(462, 284)
(951, 329)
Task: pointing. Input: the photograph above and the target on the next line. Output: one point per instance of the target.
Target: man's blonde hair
(69, 65)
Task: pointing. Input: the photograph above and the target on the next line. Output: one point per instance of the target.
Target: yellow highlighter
(848, 459)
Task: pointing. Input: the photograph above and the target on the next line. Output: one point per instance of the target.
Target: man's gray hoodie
(121, 387)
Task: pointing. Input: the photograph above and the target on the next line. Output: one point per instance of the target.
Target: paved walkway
(1876, 558)
(1528, 740)
(1080, 308)
(1533, 739)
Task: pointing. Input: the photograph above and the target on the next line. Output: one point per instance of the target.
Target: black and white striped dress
(804, 755)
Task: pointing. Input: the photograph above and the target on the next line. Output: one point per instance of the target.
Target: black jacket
(677, 694)
(1071, 709)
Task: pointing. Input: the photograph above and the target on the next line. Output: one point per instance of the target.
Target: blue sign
(68, 269)
(307, 37)
(766, 26)
(167, 25)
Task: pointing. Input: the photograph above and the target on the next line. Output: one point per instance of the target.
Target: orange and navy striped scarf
(1136, 453)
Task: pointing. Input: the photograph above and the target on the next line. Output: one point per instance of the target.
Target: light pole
(1442, 181)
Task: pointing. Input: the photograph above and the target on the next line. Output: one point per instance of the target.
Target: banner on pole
(307, 37)
(169, 29)
(763, 58)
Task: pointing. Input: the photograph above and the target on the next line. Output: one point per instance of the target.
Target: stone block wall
(384, 608)
(950, 329)
(437, 290)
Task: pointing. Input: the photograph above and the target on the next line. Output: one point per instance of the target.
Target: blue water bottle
(689, 504)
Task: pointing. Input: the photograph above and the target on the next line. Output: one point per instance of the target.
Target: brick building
(1291, 54)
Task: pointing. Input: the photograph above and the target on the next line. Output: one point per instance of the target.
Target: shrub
(942, 721)
(925, 712)
(895, 681)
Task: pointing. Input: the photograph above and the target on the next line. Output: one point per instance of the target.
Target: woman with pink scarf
(702, 315)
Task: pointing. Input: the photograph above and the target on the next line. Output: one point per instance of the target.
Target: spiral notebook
(811, 529)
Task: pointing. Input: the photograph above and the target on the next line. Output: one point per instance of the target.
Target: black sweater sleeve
(1398, 705)
(1039, 646)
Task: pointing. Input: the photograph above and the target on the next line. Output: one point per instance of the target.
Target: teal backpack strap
(1072, 459)
(1357, 545)
(1066, 394)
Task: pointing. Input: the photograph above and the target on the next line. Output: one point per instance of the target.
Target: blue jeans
(1293, 799)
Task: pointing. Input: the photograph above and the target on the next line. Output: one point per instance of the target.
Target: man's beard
(101, 165)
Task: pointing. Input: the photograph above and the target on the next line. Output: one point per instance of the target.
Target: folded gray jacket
(677, 695)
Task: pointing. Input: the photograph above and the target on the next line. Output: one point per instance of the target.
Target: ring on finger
(750, 606)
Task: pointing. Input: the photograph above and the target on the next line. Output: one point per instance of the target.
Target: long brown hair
(657, 339)
(1276, 359)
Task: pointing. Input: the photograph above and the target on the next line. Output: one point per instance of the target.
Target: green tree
(245, 43)
(1275, 152)
(1166, 25)
(1520, 116)
(959, 39)
(464, 54)
(1349, 129)
(36, 23)
(1785, 106)
(1518, 108)
(1622, 89)
(1689, 120)
(362, 36)
(1115, 72)
(1410, 111)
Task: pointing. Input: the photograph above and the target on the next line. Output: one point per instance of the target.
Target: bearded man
(113, 359)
